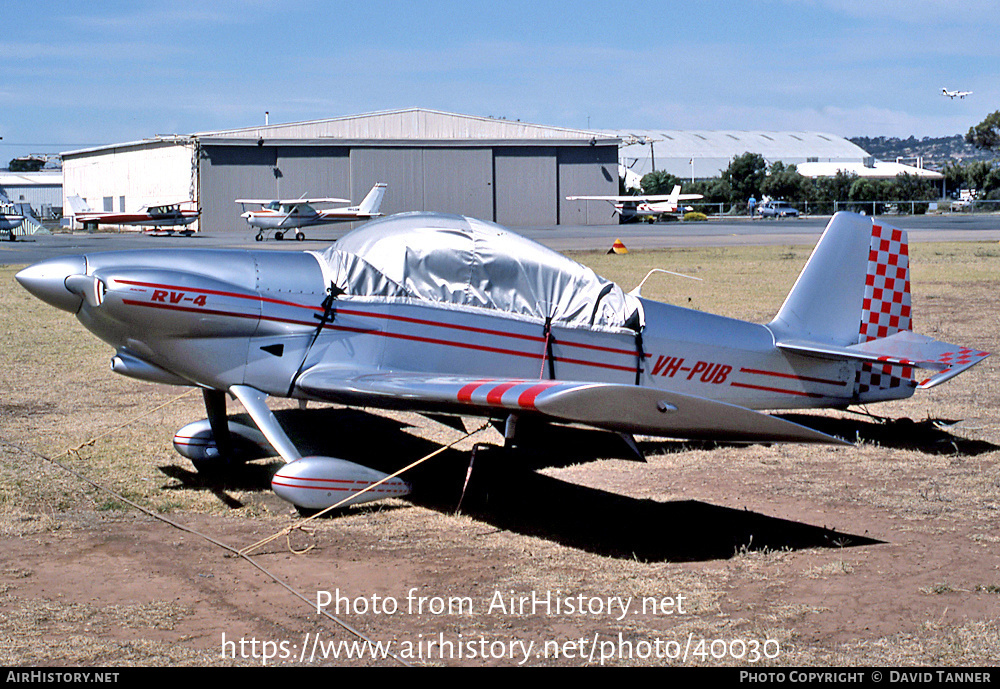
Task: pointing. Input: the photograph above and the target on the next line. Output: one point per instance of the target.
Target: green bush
(694, 215)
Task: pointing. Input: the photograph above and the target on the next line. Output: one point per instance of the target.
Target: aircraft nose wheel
(260, 236)
(299, 236)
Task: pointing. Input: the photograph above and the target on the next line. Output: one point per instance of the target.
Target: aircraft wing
(622, 408)
(292, 201)
(652, 198)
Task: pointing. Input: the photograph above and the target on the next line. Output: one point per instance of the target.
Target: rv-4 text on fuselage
(280, 215)
(162, 215)
(445, 314)
(644, 205)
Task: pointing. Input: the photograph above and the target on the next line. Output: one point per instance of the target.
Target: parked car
(778, 209)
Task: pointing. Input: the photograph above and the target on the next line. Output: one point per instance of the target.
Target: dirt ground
(568, 552)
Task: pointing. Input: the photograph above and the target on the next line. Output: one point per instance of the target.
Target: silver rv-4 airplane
(447, 314)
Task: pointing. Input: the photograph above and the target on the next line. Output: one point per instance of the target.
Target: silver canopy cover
(461, 262)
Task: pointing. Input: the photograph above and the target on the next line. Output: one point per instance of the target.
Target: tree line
(750, 175)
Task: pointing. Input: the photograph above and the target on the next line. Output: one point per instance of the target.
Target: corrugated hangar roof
(408, 124)
(727, 144)
(411, 125)
(46, 178)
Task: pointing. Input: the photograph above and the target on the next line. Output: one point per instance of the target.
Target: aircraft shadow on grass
(505, 490)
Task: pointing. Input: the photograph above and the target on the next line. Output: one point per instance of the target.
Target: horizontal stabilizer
(621, 408)
(904, 348)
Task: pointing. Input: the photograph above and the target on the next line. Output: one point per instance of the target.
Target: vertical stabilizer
(885, 310)
(855, 292)
(77, 205)
(371, 203)
(675, 195)
(855, 287)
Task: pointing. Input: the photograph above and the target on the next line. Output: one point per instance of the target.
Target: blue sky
(77, 74)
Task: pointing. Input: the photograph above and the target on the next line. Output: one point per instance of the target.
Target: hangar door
(525, 186)
(459, 180)
(314, 172)
(587, 171)
(443, 180)
(234, 172)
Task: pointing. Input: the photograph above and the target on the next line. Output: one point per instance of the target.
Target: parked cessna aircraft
(10, 219)
(164, 215)
(446, 314)
(955, 94)
(643, 206)
(282, 215)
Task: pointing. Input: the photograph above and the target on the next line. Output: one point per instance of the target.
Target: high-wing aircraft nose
(47, 281)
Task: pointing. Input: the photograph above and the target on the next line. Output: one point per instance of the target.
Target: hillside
(936, 151)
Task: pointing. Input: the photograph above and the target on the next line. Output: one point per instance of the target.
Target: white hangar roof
(704, 153)
(878, 169)
(31, 179)
(727, 144)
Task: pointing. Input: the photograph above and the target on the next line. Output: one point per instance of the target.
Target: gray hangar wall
(512, 185)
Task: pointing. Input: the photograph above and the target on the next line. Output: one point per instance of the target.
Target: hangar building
(702, 154)
(41, 190)
(510, 172)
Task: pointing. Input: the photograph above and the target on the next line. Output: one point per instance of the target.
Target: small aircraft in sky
(644, 205)
(156, 217)
(955, 94)
(444, 314)
(282, 215)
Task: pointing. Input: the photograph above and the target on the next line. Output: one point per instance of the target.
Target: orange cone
(618, 248)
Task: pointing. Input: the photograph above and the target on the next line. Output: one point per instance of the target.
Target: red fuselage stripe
(784, 392)
(792, 376)
(396, 336)
(365, 314)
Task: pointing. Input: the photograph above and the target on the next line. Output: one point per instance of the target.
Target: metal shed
(510, 172)
(41, 190)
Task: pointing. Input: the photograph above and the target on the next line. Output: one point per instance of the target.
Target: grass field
(885, 553)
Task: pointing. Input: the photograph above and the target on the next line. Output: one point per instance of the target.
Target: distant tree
(862, 189)
(745, 176)
(784, 182)
(976, 173)
(906, 187)
(954, 176)
(826, 190)
(659, 182)
(714, 190)
(991, 183)
(986, 134)
(26, 165)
